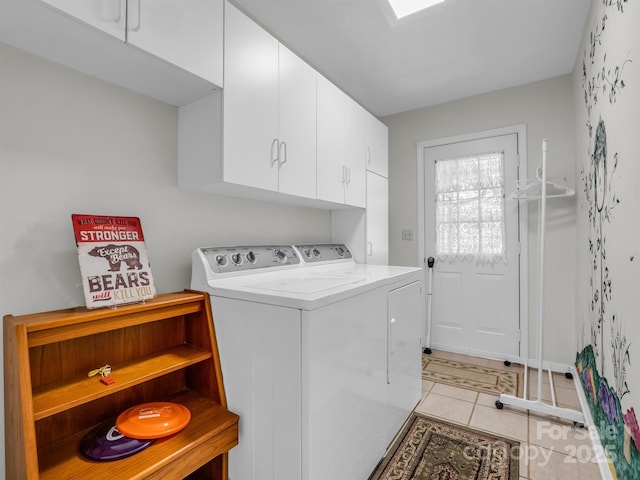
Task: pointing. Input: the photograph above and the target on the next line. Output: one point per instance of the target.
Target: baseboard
(476, 353)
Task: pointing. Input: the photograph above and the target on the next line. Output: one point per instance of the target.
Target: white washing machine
(320, 356)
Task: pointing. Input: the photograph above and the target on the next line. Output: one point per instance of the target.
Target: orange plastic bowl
(153, 420)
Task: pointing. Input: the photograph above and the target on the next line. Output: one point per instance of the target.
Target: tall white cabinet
(377, 220)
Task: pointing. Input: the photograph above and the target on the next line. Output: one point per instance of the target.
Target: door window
(469, 201)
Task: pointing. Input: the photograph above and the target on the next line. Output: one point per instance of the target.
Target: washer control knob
(340, 251)
(221, 260)
(251, 257)
(236, 258)
(315, 252)
(306, 252)
(281, 256)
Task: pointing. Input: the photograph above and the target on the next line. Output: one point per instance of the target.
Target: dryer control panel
(246, 258)
(326, 252)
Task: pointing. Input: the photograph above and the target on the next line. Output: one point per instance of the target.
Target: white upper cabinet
(377, 145)
(167, 49)
(185, 33)
(278, 131)
(269, 112)
(110, 16)
(341, 151)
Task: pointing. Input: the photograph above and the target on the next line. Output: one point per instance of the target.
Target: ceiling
(452, 50)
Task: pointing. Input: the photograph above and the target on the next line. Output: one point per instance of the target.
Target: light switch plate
(407, 235)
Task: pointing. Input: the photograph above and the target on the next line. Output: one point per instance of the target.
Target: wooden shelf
(211, 425)
(55, 398)
(163, 349)
(79, 322)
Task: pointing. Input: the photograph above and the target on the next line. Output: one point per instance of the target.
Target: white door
(471, 228)
(332, 123)
(297, 126)
(250, 103)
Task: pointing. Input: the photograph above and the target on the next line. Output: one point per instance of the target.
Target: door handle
(282, 159)
(392, 343)
(369, 248)
(275, 152)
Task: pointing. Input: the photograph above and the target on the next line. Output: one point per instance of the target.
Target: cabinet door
(187, 33)
(250, 103)
(355, 191)
(377, 145)
(341, 152)
(297, 126)
(106, 15)
(377, 220)
(404, 356)
(333, 123)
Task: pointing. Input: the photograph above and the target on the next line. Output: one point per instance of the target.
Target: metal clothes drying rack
(541, 189)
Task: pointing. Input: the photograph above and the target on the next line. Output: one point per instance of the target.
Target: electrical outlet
(407, 235)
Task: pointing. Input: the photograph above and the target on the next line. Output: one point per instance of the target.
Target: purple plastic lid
(105, 443)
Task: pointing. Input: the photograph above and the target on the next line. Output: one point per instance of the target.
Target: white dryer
(320, 356)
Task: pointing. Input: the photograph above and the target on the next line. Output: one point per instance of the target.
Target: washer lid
(307, 284)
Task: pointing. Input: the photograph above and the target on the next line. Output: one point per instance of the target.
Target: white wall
(74, 144)
(70, 143)
(546, 108)
(608, 222)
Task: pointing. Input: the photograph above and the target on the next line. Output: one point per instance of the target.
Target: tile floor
(550, 448)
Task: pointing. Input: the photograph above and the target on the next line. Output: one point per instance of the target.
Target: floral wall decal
(619, 432)
(620, 357)
(602, 200)
(609, 163)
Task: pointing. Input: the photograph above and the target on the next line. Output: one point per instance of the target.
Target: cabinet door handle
(369, 248)
(133, 15)
(282, 158)
(275, 151)
(369, 154)
(344, 174)
(348, 175)
(392, 343)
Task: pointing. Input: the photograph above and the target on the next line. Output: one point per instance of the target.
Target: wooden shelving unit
(164, 349)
